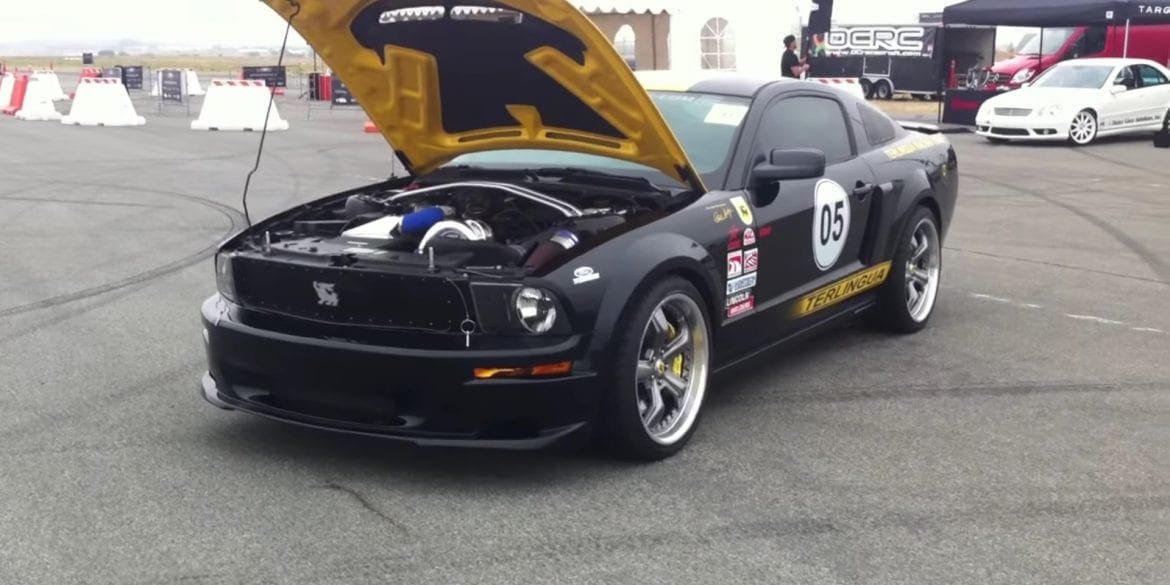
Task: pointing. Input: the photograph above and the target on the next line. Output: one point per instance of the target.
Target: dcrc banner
(272, 76)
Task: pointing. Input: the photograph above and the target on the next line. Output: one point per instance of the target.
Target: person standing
(791, 65)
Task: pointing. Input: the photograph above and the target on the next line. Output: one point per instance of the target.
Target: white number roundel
(830, 223)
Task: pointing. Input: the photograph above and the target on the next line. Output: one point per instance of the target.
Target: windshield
(706, 125)
(1054, 39)
(1075, 76)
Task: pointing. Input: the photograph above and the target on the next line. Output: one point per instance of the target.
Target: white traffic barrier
(102, 102)
(237, 104)
(850, 85)
(193, 87)
(53, 83)
(38, 101)
(7, 81)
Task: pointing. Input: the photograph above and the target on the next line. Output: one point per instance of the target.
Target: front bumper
(1031, 127)
(427, 397)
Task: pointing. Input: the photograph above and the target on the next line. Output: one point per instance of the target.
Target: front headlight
(1022, 75)
(535, 309)
(225, 280)
(1051, 111)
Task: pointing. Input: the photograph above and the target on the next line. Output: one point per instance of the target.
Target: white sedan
(1081, 100)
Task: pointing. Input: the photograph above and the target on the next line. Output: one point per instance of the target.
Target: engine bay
(464, 224)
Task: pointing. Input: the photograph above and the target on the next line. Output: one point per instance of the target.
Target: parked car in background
(1080, 101)
(1055, 45)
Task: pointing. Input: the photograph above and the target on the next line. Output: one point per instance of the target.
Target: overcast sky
(206, 22)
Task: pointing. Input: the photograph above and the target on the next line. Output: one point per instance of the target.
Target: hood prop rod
(271, 98)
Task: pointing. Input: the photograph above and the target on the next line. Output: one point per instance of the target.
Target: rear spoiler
(920, 127)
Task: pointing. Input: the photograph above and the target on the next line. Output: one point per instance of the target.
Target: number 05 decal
(830, 223)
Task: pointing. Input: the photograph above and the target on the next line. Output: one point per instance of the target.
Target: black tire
(882, 90)
(867, 89)
(893, 312)
(620, 427)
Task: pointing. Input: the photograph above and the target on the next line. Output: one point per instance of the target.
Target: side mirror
(785, 165)
(1118, 88)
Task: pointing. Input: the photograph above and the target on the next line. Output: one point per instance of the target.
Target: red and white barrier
(38, 99)
(238, 104)
(52, 83)
(850, 85)
(102, 102)
(16, 101)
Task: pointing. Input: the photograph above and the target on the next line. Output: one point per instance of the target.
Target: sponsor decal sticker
(916, 146)
(749, 237)
(585, 274)
(738, 298)
(841, 290)
(721, 215)
(741, 284)
(734, 264)
(741, 307)
(733, 241)
(726, 114)
(751, 260)
(743, 209)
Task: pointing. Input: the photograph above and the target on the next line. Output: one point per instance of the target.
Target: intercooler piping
(568, 209)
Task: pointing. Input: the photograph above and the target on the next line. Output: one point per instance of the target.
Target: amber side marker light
(540, 371)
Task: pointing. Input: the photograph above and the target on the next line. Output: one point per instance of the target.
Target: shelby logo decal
(585, 274)
(326, 294)
(841, 290)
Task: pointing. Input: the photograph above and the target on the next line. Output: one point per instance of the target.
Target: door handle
(863, 190)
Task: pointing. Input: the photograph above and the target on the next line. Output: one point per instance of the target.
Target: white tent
(741, 35)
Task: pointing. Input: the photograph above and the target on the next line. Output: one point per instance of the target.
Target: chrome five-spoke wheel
(922, 270)
(671, 372)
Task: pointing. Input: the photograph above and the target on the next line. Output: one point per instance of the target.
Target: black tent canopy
(1052, 13)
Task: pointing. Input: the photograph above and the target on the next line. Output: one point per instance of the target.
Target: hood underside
(443, 79)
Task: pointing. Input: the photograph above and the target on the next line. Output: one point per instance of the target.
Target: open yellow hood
(444, 78)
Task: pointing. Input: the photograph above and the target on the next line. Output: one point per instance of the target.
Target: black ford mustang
(574, 246)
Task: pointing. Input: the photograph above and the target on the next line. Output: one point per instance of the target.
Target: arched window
(626, 43)
(717, 45)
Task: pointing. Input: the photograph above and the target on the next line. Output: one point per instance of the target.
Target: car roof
(718, 82)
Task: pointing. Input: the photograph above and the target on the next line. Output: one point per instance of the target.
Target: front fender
(627, 265)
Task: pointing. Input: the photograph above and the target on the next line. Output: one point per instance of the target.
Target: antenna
(271, 98)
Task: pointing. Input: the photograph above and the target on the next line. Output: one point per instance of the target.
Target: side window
(1125, 77)
(806, 122)
(878, 128)
(1090, 43)
(1150, 76)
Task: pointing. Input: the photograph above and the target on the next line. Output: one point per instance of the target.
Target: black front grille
(1009, 131)
(349, 296)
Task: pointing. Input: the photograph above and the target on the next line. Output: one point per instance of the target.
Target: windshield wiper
(575, 175)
